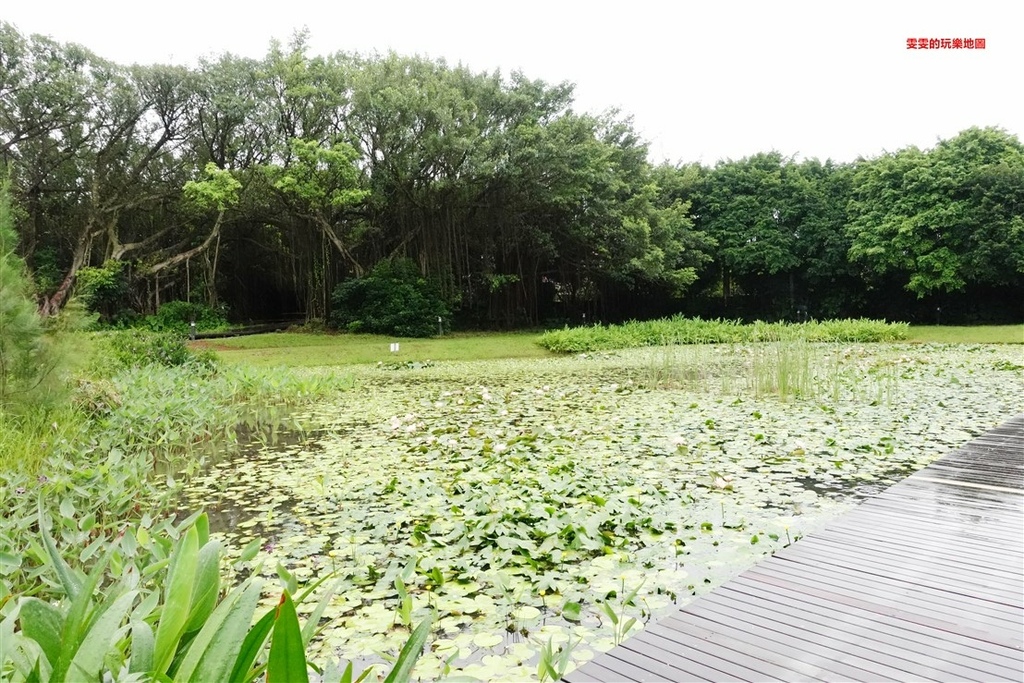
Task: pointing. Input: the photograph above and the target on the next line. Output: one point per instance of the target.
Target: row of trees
(264, 183)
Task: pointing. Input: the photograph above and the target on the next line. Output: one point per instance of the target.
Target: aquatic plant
(166, 619)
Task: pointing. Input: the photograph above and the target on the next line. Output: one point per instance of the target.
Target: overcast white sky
(703, 80)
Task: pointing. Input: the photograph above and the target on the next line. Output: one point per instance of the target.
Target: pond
(525, 500)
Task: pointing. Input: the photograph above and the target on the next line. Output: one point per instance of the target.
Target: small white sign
(394, 347)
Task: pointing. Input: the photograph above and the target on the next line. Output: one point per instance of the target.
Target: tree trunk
(52, 305)
(211, 275)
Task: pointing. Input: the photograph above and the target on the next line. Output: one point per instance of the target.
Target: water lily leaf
(486, 640)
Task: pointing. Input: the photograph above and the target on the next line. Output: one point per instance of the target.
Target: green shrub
(680, 330)
(392, 299)
(177, 316)
(121, 349)
(103, 289)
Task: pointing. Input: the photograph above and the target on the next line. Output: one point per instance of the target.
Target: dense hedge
(680, 330)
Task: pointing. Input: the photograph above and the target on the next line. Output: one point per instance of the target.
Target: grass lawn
(305, 350)
(308, 350)
(978, 334)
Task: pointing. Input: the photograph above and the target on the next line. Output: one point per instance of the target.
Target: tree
(21, 334)
(943, 220)
(748, 212)
(217, 191)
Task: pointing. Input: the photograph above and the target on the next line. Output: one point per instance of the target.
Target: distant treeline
(262, 184)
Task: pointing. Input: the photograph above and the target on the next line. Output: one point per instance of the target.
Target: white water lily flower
(724, 483)
(500, 447)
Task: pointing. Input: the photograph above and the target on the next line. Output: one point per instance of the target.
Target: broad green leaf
(251, 647)
(212, 654)
(250, 551)
(143, 645)
(177, 599)
(206, 587)
(80, 614)
(287, 661)
(411, 651)
(43, 623)
(10, 560)
(203, 529)
(486, 640)
(288, 580)
(70, 581)
(313, 620)
(102, 635)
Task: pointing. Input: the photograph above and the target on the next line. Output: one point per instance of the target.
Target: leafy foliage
(518, 497)
(27, 356)
(174, 625)
(103, 288)
(265, 182)
(120, 349)
(176, 317)
(680, 330)
(957, 219)
(392, 299)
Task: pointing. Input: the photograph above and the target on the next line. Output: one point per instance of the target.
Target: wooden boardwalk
(924, 582)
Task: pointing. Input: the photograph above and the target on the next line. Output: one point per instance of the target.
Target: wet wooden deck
(924, 582)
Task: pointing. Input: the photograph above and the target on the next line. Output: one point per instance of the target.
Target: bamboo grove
(261, 184)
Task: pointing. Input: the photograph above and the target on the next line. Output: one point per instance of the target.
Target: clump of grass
(175, 413)
(790, 369)
(27, 439)
(680, 330)
(784, 368)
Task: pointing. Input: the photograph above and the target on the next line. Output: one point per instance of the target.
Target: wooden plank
(988, 587)
(966, 538)
(692, 654)
(1000, 588)
(924, 582)
(912, 545)
(883, 660)
(804, 662)
(593, 672)
(890, 610)
(865, 633)
(989, 659)
(631, 671)
(894, 589)
(999, 516)
(652, 660)
(892, 605)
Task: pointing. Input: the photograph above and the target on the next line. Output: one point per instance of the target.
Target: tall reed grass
(791, 369)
